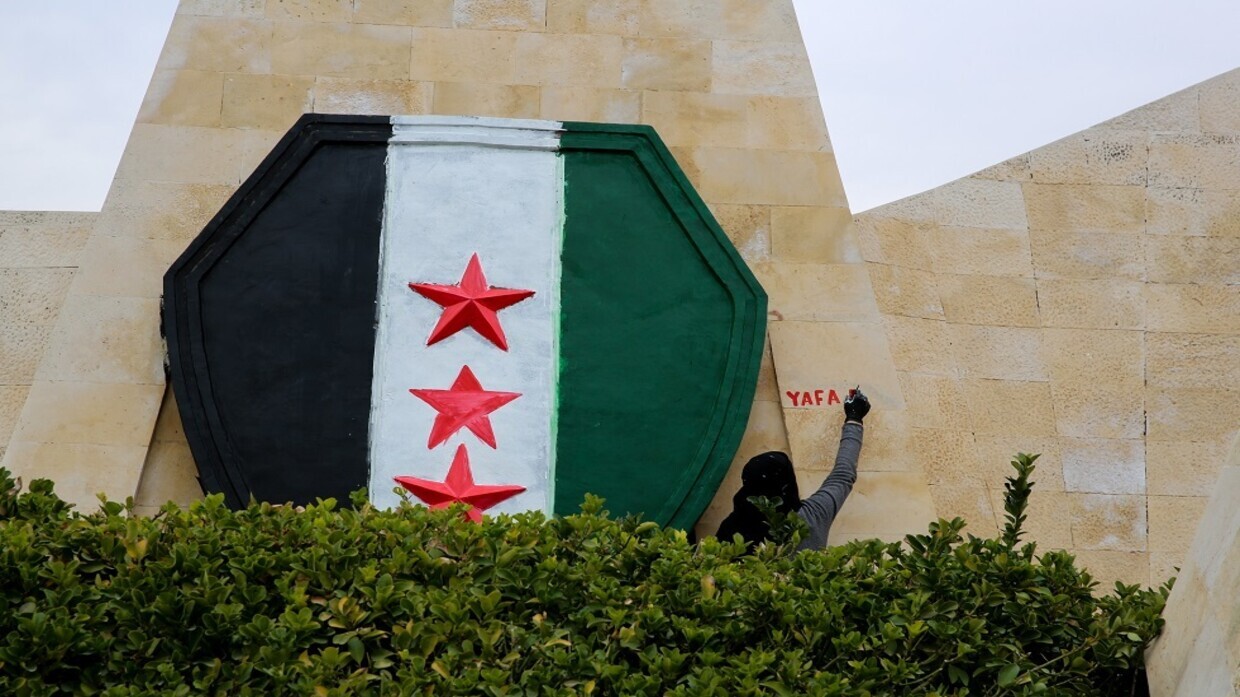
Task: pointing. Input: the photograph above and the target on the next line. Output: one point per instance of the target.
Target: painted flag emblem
(507, 314)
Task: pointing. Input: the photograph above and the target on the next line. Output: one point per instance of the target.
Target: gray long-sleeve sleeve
(819, 510)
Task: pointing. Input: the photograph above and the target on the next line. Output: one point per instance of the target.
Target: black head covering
(771, 475)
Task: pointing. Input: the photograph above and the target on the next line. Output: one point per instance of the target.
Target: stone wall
(726, 83)
(39, 254)
(1081, 301)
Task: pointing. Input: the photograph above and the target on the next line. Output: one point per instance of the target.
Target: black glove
(856, 406)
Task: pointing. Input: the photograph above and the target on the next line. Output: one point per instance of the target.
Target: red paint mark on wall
(813, 398)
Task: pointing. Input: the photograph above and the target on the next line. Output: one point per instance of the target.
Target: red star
(464, 404)
(459, 487)
(470, 303)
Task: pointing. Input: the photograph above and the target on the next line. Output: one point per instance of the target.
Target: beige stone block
(1001, 353)
(1108, 522)
(1104, 466)
(1193, 360)
(906, 292)
(1201, 309)
(815, 235)
(748, 227)
(223, 8)
(183, 98)
(1048, 517)
(787, 123)
(168, 475)
(888, 505)
(1186, 609)
(79, 470)
(696, 118)
(1176, 112)
(363, 51)
(273, 102)
(22, 345)
(347, 96)
(968, 202)
(920, 345)
(817, 292)
(160, 210)
(1091, 304)
(417, 13)
(896, 242)
(89, 412)
(218, 45)
(858, 355)
(980, 251)
(567, 59)
(42, 247)
(1190, 160)
(1108, 567)
(667, 64)
(168, 426)
(620, 17)
(1085, 208)
(934, 401)
(994, 300)
(968, 501)
(766, 21)
(573, 103)
(32, 296)
(1165, 566)
(1193, 259)
(997, 452)
(1015, 169)
(1010, 407)
(1088, 359)
(1086, 411)
(1095, 156)
(1213, 553)
(773, 177)
(458, 55)
(1173, 521)
(814, 438)
(1178, 211)
(511, 15)
(105, 339)
(1087, 255)
(12, 399)
(694, 19)
(948, 457)
(768, 388)
(1191, 414)
(184, 154)
(310, 10)
(1217, 101)
(477, 99)
(767, 68)
(1183, 468)
(128, 267)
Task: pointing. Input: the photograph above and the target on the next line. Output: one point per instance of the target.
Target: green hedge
(276, 600)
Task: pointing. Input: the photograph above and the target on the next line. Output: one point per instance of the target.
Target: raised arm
(819, 510)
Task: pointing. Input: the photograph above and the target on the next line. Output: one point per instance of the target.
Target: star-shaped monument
(459, 487)
(466, 405)
(470, 303)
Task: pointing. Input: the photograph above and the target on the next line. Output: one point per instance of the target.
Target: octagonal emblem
(508, 314)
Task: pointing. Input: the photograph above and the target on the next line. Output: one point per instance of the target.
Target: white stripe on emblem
(459, 187)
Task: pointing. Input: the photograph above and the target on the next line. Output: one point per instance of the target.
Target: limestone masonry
(1081, 301)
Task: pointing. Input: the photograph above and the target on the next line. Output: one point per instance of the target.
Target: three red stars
(459, 486)
(464, 405)
(470, 303)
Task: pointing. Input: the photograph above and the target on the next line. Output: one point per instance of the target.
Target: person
(771, 475)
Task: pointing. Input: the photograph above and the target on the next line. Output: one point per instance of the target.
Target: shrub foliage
(275, 600)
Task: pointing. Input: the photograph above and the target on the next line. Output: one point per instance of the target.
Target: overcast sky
(916, 93)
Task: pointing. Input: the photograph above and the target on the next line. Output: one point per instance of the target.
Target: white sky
(916, 93)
